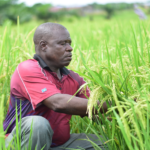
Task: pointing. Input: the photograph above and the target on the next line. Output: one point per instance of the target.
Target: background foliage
(10, 9)
(111, 54)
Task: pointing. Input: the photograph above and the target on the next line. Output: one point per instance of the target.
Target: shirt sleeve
(34, 85)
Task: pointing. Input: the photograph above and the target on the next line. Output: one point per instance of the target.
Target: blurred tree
(10, 10)
(20, 10)
(109, 8)
(42, 11)
(116, 6)
(4, 7)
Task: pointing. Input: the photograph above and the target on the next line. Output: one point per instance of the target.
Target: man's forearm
(64, 103)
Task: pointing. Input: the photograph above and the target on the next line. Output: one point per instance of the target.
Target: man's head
(53, 44)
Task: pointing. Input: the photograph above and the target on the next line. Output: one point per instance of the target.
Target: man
(43, 86)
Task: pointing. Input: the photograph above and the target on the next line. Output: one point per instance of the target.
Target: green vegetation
(11, 9)
(113, 57)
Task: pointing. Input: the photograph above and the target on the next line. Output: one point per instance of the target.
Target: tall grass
(113, 57)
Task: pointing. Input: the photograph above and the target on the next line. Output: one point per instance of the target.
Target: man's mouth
(68, 57)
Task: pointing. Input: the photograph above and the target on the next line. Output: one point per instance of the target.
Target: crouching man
(43, 86)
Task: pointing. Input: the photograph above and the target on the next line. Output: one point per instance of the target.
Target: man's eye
(63, 43)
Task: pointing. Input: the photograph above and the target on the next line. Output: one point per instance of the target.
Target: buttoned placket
(59, 85)
(59, 82)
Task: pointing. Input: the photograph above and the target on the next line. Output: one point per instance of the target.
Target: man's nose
(69, 48)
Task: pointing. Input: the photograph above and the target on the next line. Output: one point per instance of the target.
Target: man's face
(58, 48)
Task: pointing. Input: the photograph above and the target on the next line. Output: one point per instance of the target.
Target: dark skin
(56, 50)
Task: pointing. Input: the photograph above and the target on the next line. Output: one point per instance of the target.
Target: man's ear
(43, 45)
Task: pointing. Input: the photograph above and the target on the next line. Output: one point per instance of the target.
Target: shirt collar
(44, 65)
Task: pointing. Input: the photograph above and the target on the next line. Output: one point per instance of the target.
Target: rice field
(114, 59)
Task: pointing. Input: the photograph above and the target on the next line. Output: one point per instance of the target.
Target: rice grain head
(94, 96)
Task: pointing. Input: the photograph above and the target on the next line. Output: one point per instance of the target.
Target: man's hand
(97, 119)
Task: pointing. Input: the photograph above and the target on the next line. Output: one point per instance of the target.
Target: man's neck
(52, 67)
(57, 71)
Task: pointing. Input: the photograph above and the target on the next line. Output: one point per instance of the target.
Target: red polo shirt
(33, 82)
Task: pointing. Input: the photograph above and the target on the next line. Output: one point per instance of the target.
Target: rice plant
(113, 57)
